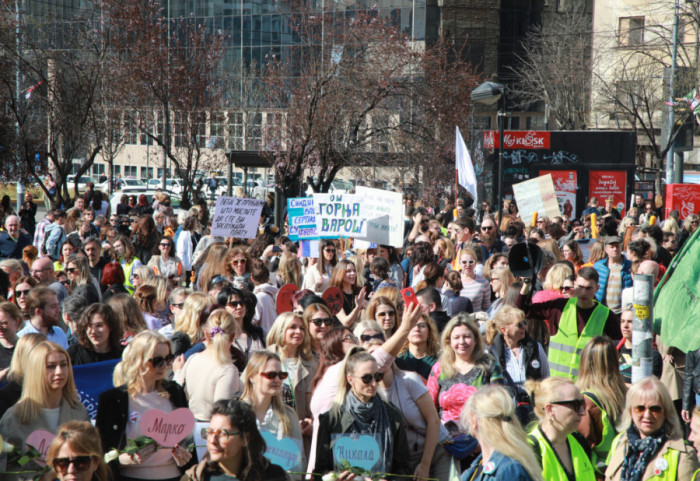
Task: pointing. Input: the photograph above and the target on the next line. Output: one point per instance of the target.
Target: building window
(147, 127)
(235, 130)
(146, 172)
(130, 171)
(117, 169)
(254, 132)
(130, 128)
(218, 130)
(98, 169)
(160, 173)
(631, 31)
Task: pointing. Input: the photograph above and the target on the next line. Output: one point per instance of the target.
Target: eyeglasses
(165, 244)
(272, 375)
(160, 361)
(22, 293)
(350, 338)
(486, 227)
(326, 321)
(468, 263)
(575, 404)
(329, 250)
(216, 280)
(422, 325)
(238, 262)
(220, 434)
(369, 337)
(80, 463)
(566, 288)
(386, 313)
(540, 221)
(367, 378)
(178, 305)
(235, 303)
(654, 410)
(75, 269)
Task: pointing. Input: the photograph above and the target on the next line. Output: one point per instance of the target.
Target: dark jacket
(329, 425)
(458, 303)
(201, 472)
(113, 413)
(530, 353)
(691, 379)
(440, 318)
(604, 271)
(113, 290)
(80, 356)
(10, 249)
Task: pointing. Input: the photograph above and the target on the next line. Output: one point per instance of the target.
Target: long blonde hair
(35, 389)
(599, 372)
(544, 392)
(219, 330)
(131, 369)
(279, 328)
(256, 365)
(24, 346)
(187, 320)
(447, 359)
(505, 316)
(499, 428)
(289, 270)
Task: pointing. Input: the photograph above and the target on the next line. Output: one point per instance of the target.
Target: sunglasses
(160, 361)
(566, 288)
(65, 283)
(468, 263)
(386, 314)
(217, 279)
(521, 325)
(220, 434)
(369, 337)
(22, 293)
(272, 375)
(326, 321)
(165, 244)
(72, 269)
(235, 303)
(330, 251)
(487, 228)
(178, 305)
(377, 376)
(575, 404)
(238, 262)
(654, 410)
(80, 463)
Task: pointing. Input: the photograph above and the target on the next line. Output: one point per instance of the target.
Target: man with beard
(489, 236)
(44, 311)
(42, 271)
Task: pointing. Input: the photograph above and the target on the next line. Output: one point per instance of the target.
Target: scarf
(372, 417)
(640, 452)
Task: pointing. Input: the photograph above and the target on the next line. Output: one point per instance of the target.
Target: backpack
(54, 254)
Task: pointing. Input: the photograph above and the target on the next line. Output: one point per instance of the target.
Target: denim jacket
(505, 469)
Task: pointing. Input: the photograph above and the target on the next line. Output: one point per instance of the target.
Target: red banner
(685, 198)
(608, 183)
(565, 187)
(517, 139)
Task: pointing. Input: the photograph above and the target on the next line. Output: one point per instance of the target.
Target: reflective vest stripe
(565, 347)
(552, 470)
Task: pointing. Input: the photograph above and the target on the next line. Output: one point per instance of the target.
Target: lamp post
(489, 93)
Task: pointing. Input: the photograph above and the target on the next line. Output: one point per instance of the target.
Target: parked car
(173, 185)
(82, 183)
(127, 182)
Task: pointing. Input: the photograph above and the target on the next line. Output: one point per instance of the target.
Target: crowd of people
(450, 360)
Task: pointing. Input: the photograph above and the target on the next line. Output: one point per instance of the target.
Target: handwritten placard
(384, 210)
(360, 450)
(537, 195)
(236, 217)
(167, 429)
(340, 215)
(284, 452)
(302, 218)
(40, 440)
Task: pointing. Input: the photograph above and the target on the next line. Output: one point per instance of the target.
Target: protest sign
(536, 195)
(359, 450)
(236, 217)
(167, 429)
(340, 215)
(608, 183)
(284, 452)
(384, 211)
(40, 440)
(91, 380)
(565, 185)
(302, 218)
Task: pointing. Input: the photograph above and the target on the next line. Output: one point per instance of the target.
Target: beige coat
(687, 463)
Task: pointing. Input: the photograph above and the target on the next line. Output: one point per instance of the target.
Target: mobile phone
(276, 249)
(409, 297)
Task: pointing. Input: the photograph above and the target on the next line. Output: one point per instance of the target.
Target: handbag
(459, 445)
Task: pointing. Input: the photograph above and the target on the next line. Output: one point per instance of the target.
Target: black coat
(530, 356)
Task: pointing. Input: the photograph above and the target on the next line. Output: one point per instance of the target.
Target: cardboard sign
(301, 218)
(334, 298)
(284, 298)
(361, 451)
(536, 195)
(565, 188)
(608, 183)
(236, 217)
(340, 215)
(685, 198)
(284, 452)
(40, 440)
(384, 210)
(167, 429)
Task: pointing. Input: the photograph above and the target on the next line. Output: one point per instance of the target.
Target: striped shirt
(40, 235)
(479, 292)
(613, 290)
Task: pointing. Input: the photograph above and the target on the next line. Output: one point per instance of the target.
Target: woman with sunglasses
(241, 304)
(563, 453)
(358, 409)
(650, 444)
(263, 383)
(49, 399)
(140, 385)
(499, 279)
(344, 277)
(475, 288)
(125, 254)
(75, 454)
(99, 336)
(236, 450)
(603, 389)
(81, 281)
(320, 320)
(237, 267)
(383, 310)
(553, 283)
(318, 275)
(519, 356)
(289, 338)
(187, 329)
(20, 291)
(165, 263)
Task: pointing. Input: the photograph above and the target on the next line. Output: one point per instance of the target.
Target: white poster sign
(536, 195)
(384, 210)
(236, 217)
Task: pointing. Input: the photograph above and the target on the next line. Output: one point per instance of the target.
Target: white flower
(111, 455)
(330, 477)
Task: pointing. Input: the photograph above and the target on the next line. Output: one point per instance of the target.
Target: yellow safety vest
(565, 347)
(552, 470)
(127, 274)
(602, 449)
(672, 457)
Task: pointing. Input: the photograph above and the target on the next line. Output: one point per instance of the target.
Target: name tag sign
(40, 440)
(167, 429)
(284, 452)
(359, 450)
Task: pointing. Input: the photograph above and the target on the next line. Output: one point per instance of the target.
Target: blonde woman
(49, 397)
(290, 339)
(289, 271)
(210, 375)
(444, 249)
(263, 391)
(187, 331)
(489, 416)
(141, 274)
(81, 281)
(140, 385)
(553, 282)
(12, 391)
(500, 278)
(75, 454)
(163, 288)
(474, 287)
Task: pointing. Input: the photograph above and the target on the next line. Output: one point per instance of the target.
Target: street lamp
(488, 93)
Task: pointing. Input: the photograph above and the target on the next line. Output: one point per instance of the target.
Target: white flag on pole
(463, 164)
